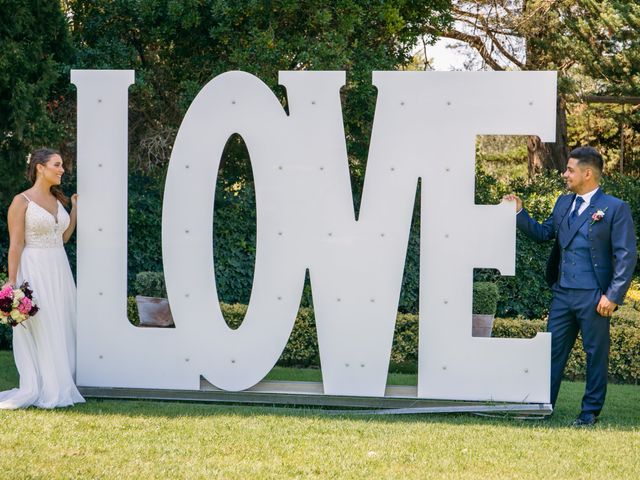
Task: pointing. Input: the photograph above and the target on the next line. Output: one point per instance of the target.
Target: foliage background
(177, 46)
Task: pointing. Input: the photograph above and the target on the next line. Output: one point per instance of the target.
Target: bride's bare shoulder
(20, 202)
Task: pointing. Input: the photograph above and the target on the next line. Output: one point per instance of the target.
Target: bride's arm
(73, 215)
(15, 220)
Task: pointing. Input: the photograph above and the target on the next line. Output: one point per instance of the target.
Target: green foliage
(404, 352)
(5, 337)
(177, 47)
(593, 46)
(502, 156)
(234, 239)
(485, 298)
(514, 155)
(35, 54)
(150, 284)
(525, 294)
(596, 48)
(627, 188)
(603, 38)
(604, 126)
(144, 226)
(302, 347)
(5, 330)
(624, 356)
(410, 292)
(132, 311)
(517, 328)
(122, 439)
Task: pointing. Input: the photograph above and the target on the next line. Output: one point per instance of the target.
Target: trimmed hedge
(150, 284)
(5, 330)
(624, 357)
(485, 298)
(302, 348)
(523, 295)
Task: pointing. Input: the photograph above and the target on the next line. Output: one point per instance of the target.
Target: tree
(34, 58)
(582, 39)
(176, 47)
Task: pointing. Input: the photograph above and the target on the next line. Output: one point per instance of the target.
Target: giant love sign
(425, 128)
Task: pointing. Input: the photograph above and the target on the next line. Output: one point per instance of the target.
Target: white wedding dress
(44, 347)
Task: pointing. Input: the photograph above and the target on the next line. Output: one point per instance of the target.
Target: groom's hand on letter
(511, 198)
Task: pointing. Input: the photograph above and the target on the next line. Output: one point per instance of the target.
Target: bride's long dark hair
(41, 157)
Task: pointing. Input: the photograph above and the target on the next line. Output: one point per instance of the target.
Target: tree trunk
(550, 156)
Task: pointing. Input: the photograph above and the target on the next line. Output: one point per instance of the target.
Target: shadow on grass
(621, 413)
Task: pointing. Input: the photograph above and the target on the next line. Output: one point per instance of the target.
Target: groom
(589, 272)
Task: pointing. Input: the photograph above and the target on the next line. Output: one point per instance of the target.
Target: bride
(45, 349)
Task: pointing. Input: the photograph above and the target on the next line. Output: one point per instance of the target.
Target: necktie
(575, 213)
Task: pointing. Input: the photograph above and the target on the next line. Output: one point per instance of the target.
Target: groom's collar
(587, 196)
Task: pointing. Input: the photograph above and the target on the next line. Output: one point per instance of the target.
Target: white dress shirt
(587, 200)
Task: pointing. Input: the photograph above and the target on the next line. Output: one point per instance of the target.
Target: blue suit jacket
(612, 239)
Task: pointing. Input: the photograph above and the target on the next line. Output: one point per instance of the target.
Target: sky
(444, 58)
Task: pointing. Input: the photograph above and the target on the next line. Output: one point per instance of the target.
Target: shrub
(404, 352)
(485, 298)
(132, 311)
(5, 337)
(5, 330)
(523, 295)
(150, 284)
(302, 348)
(526, 294)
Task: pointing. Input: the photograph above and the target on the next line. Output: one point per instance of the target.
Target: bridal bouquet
(16, 304)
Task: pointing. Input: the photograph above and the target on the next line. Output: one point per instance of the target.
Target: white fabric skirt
(44, 347)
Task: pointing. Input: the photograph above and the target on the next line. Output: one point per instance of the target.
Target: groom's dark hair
(588, 157)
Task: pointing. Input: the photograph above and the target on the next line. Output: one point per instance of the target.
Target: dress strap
(28, 199)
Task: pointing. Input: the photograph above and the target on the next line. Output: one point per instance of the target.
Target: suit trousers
(573, 311)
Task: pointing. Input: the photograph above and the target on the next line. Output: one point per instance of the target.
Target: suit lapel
(567, 233)
(563, 230)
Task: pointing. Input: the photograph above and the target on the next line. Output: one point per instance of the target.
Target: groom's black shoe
(585, 419)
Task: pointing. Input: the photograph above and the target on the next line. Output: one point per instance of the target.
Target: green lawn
(144, 439)
(314, 375)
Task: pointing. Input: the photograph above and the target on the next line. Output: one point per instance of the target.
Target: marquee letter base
(398, 399)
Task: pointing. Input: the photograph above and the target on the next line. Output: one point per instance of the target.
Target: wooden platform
(398, 399)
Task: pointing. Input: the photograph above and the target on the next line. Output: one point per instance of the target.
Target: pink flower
(25, 306)
(6, 292)
(599, 215)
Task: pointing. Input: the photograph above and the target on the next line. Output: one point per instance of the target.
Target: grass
(506, 170)
(314, 375)
(144, 439)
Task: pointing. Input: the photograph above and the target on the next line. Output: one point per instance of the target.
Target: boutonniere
(599, 215)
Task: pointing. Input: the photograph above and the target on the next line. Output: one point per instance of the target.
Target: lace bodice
(40, 227)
